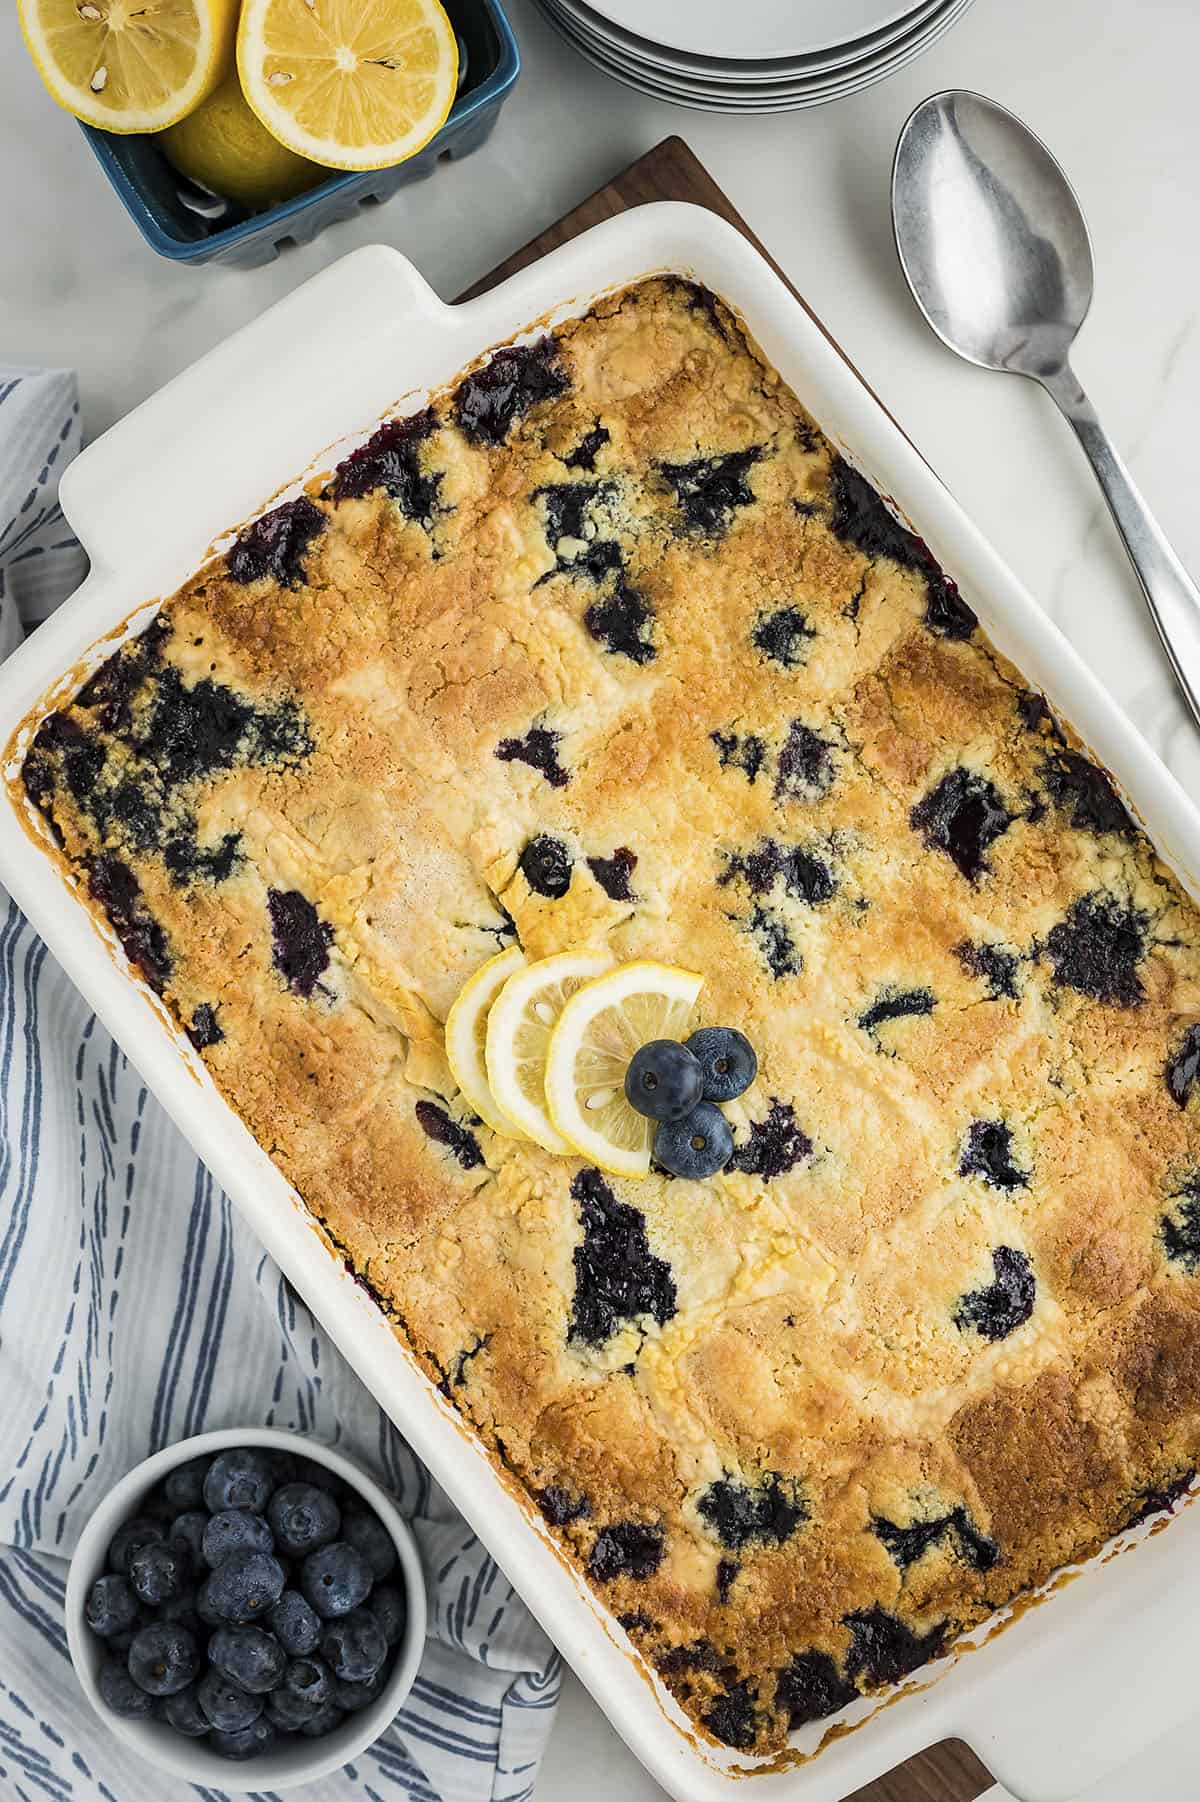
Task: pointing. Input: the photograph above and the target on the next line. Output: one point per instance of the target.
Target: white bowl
(290, 1761)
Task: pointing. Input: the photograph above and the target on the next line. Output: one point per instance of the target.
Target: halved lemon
(600, 1028)
(466, 1036)
(130, 65)
(519, 1025)
(354, 84)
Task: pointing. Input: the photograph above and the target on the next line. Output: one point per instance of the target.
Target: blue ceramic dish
(150, 188)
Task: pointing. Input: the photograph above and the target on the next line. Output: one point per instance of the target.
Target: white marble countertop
(1112, 90)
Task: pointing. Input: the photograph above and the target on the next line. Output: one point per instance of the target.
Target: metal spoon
(995, 248)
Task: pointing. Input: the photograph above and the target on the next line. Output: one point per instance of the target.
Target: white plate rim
(702, 27)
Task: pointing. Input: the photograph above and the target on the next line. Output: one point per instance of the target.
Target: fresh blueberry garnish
(334, 1579)
(518, 378)
(727, 1061)
(159, 1571)
(663, 1081)
(368, 1535)
(302, 1518)
(247, 1656)
(244, 1587)
(354, 1646)
(353, 1696)
(697, 1146)
(226, 1706)
(163, 1657)
(111, 1606)
(295, 1625)
(545, 864)
(129, 1539)
(240, 1478)
(184, 1485)
(617, 1276)
(189, 1529)
(234, 1530)
(119, 1692)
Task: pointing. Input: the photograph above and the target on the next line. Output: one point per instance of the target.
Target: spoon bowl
(995, 248)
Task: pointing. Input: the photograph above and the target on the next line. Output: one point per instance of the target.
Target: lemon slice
(466, 1035)
(129, 65)
(600, 1028)
(522, 1017)
(354, 84)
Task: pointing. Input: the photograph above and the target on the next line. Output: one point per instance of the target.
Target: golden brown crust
(937, 1329)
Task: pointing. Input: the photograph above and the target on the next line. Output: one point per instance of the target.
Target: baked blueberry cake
(609, 646)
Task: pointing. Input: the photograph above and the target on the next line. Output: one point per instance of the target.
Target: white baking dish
(1070, 1690)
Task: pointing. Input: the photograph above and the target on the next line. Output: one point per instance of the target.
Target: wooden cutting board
(949, 1772)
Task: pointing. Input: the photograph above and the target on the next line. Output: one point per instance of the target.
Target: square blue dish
(150, 188)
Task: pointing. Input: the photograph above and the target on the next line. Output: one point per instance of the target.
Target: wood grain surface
(949, 1772)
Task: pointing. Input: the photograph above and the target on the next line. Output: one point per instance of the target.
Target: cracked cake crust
(611, 645)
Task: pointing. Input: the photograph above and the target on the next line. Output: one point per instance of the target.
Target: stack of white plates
(751, 56)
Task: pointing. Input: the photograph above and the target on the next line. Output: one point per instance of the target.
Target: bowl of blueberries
(247, 1596)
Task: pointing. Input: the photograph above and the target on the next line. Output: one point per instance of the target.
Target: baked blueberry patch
(276, 545)
(710, 489)
(562, 1506)
(775, 1145)
(860, 518)
(811, 1687)
(546, 866)
(1080, 789)
(804, 767)
(193, 731)
(631, 1548)
(698, 1655)
(732, 1718)
(883, 1649)
(300, 939)
(991, 964)
(1096, 949)
(783, 636)
(1162, 1501)
(390, 459)
(1006, 1303)
(439, 1126)
(114, 885)
(1180, 1229)
(895, 1004)
(620, 622)
(740, 1516)
(617, 1276)
(962, 816)
(613, 873)
(988, 1153)
(746, 753)
(114, 684)
(907, 1545)
(539, 749)
(585, 452)
(205, 1028)
(727, 1571)
(488, 402)
(803, 874)
(1183, 1067)
(566, 506)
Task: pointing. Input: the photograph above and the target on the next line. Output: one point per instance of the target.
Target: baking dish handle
(144, 477)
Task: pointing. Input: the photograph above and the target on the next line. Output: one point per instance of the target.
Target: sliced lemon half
(353, 84)
(466, 1037)
(129, 65)
(600, 1028)
(519, 1025)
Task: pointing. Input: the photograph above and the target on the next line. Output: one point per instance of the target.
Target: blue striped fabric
(137, 1308)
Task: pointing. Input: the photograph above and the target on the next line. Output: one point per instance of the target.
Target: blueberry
(303, 1517)
(285, 1467)
(368, 1535)
(238, 1479)
(126, 1540)
(663, 1081)
(183, 1712)
(226, 1706)
(307, 1683)
(158, 1506)
(163, 1658)
(182, 1610)
(354, 1646)
(119, 1643)
(189, 1529)
(390, 1610)
(205, 1610)
(334, 1579)
(246, 1742)
(185, 1484)
(323, 1723)
(696, 1147)
(726, 1059)
(111, 1606)
(120, 1693)
(159, 1571)
(247, 1656)
(235, 1530)
(286, 1714)
(319, 1475)
(246, 1585)
(295, 1625)
(353, 1696)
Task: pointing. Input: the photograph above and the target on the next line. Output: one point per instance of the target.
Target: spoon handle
(1171, 595)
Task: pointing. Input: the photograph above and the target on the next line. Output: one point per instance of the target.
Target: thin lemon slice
(600, 1028)
(522, 1017)
(354, 84)
(466, 1036)
(129, 65)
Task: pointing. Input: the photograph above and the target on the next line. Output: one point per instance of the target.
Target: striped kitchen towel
(136, 1308)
